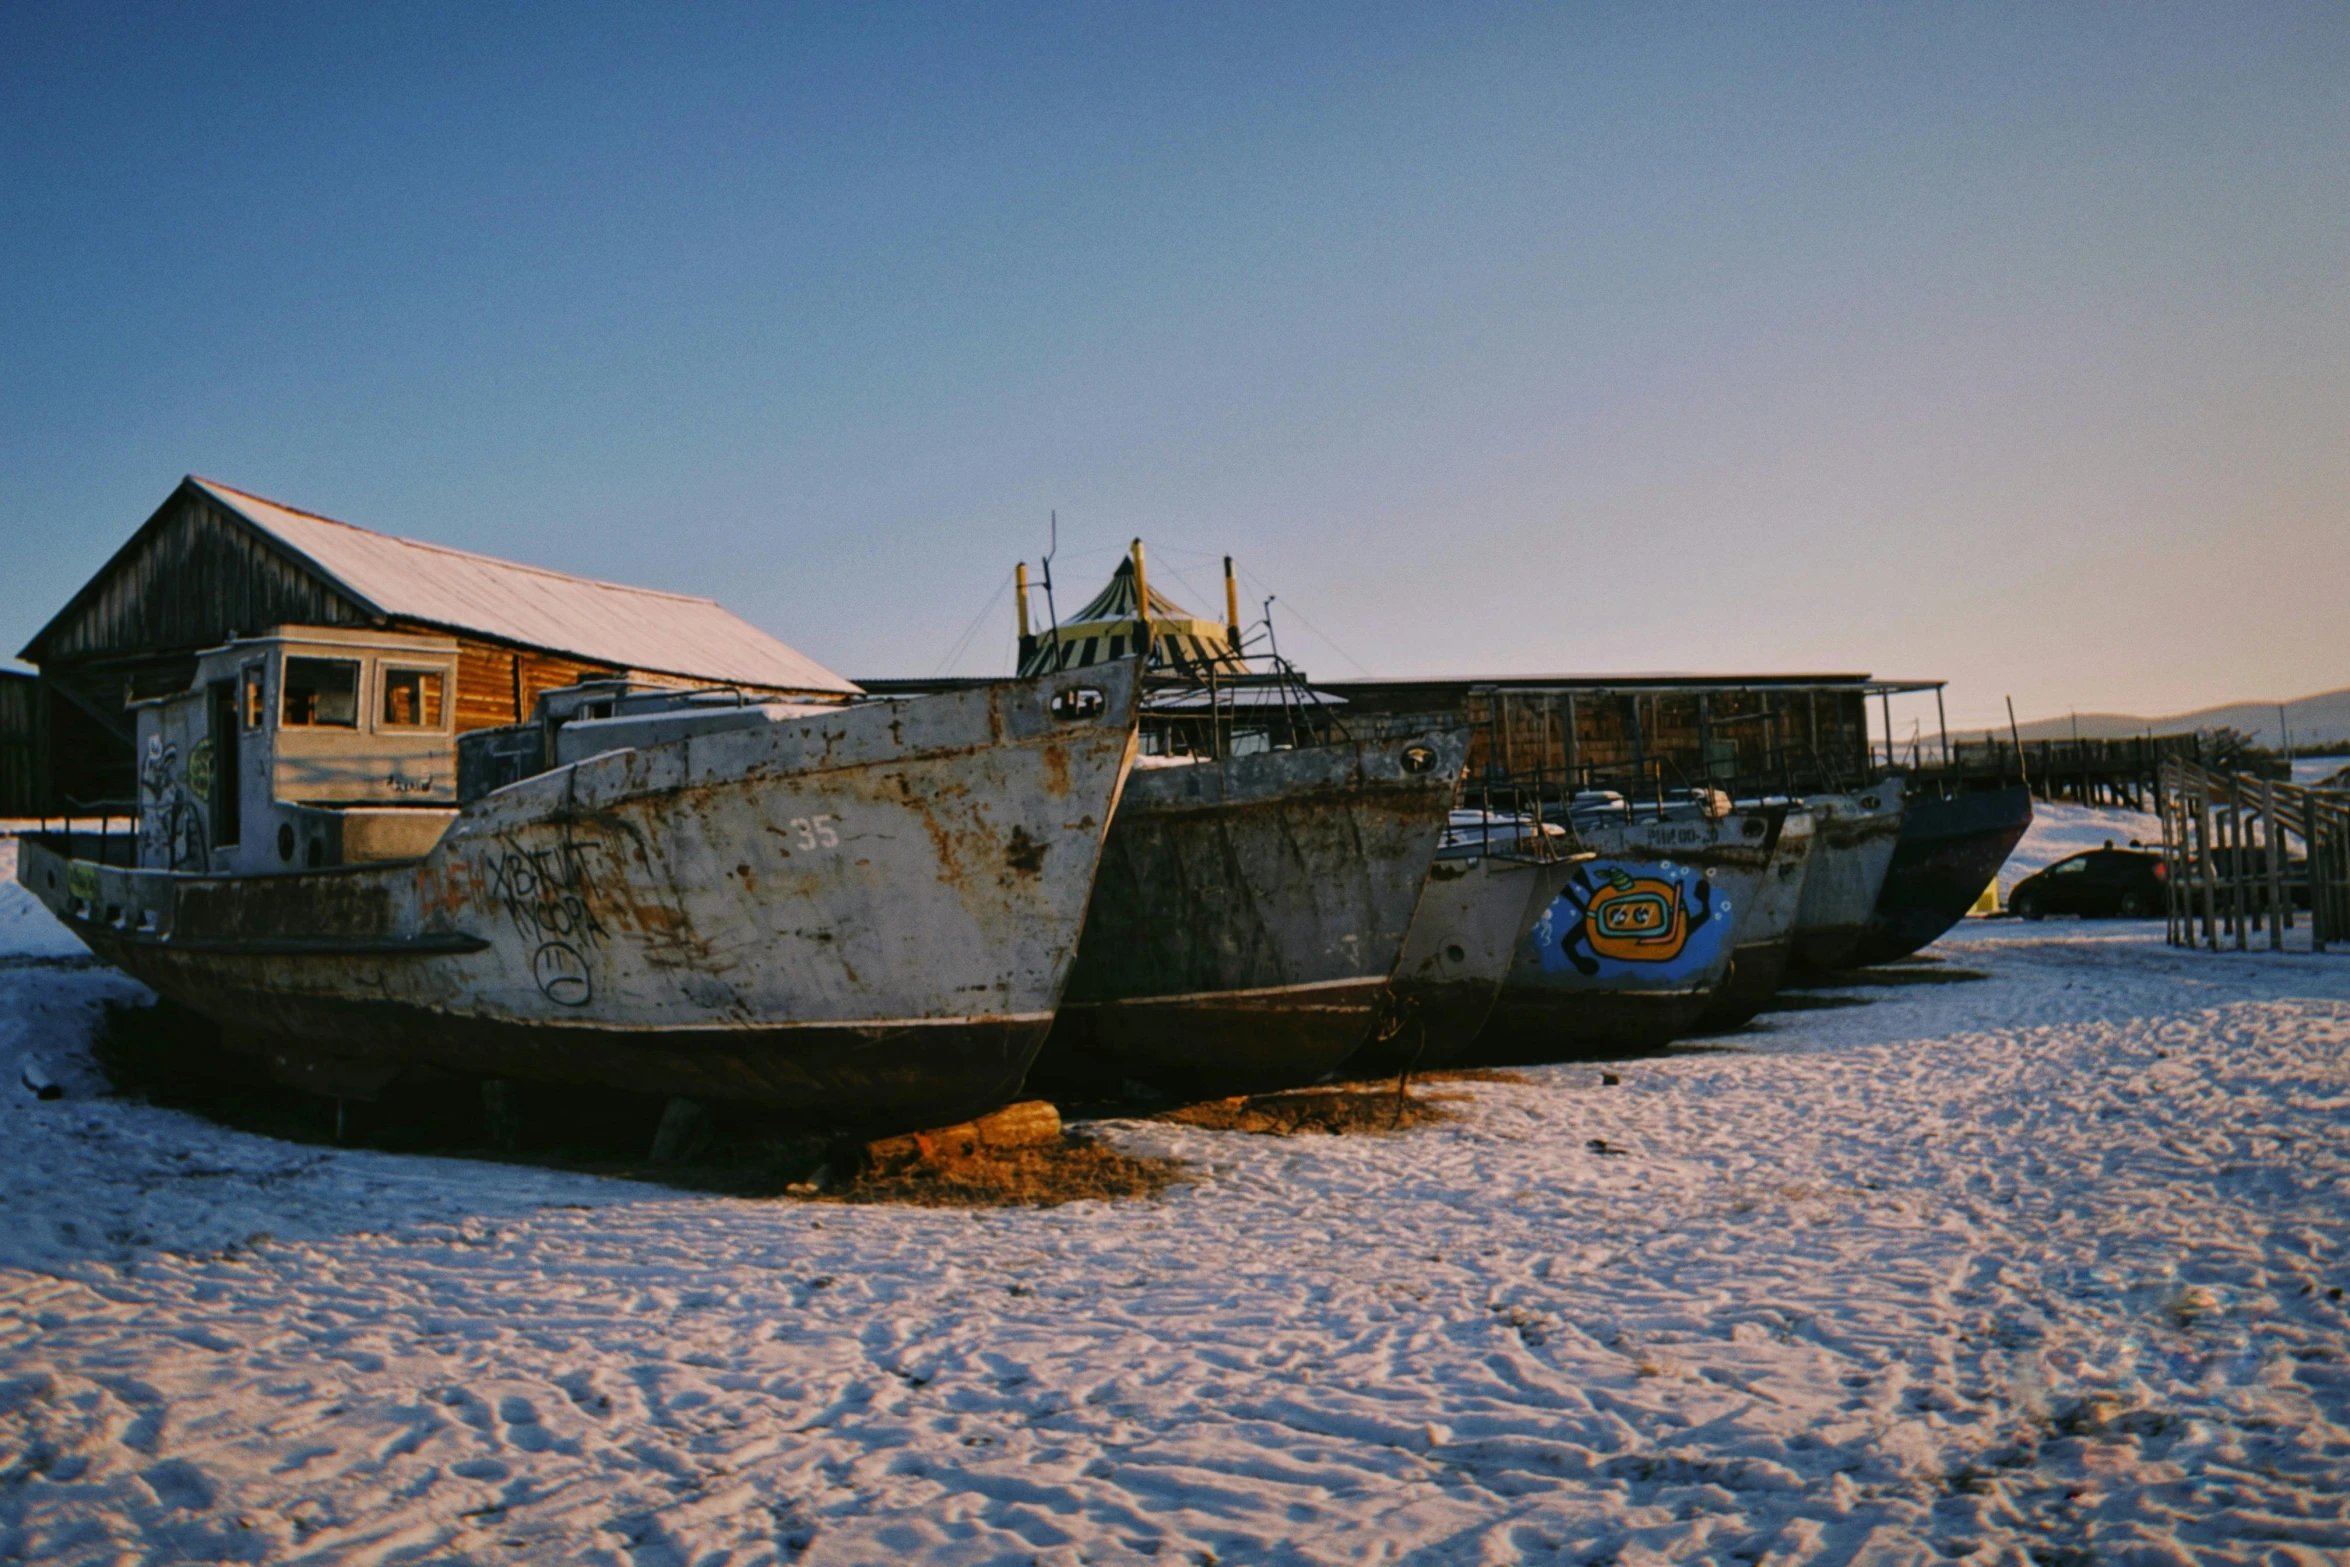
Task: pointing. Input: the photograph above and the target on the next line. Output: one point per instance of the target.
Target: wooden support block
(1030, 1123)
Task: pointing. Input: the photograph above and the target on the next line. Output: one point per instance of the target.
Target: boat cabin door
(226, 785)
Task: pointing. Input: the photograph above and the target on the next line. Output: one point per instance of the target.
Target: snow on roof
(635, 628)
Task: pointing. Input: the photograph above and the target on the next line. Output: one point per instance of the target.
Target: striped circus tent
(1109, 627)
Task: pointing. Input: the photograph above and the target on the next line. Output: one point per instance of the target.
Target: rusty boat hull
(861, 915)
(1766, 928)
(1249, 914)
(1480, 899)
(1630, 954)
(1856, 834)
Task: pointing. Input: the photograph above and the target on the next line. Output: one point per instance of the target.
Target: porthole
(1078, 703)
(1418, 759)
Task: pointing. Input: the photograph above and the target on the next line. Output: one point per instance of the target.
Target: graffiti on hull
(173, 825)
(546, 893)
(1647, 921)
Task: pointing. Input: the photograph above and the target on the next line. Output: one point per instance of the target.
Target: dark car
(2102, 882)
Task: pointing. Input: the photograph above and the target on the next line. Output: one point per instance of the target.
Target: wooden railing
(2228, 843)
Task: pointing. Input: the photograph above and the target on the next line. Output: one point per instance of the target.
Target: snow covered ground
(2037, 1255)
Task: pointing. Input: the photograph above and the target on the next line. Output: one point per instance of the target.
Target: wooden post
(2321, 908)
(1570, 752)
(2239, 892)
(2210, 876)
(2273, 846)
(2173, 859)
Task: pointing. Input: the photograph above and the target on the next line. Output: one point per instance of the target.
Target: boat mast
(1142, 609)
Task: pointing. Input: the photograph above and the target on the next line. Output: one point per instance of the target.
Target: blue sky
(2010, 345)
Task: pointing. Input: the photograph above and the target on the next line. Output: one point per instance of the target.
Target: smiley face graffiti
(1642, 921)
(1637, 919)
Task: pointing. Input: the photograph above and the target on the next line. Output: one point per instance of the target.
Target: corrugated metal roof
(634, 628)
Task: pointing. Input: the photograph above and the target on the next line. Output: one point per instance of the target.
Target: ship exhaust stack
(1020, 592)
(1142, 608)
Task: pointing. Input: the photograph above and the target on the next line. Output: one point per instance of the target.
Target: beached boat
(1765, 934)
(1493, 876)
(1949, 850)
(1250, 911)
(855, 912)
(1854, 838)
(1630, 953)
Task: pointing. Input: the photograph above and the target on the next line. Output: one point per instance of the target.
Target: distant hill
(2316, 720)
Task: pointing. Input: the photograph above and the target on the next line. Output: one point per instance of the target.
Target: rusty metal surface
(1577, 984)
(1250, 911)
(1766, 929)
(1857, 835)
(872, 907)
(1464, 935)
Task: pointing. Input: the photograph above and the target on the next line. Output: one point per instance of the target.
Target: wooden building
(213, 563)
(1635, 732)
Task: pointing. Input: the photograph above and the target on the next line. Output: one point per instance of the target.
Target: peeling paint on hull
(867, 914)
(1766, 933)
(1249, 914)
(1856, 836)
(1464, 935)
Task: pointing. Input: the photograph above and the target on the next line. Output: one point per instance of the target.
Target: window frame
(385, 668)
(359, 692)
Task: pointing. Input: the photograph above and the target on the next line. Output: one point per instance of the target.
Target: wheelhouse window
(321, 693)
(412, 698)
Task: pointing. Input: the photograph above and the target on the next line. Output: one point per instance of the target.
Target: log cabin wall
(498, 684)
(20, 744)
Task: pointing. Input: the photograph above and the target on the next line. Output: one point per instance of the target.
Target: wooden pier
(2229, 866)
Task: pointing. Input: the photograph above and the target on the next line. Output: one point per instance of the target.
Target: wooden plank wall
(20, 744)
(190, 578)
(497, 684)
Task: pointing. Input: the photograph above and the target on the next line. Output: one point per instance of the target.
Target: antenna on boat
(1052, 549)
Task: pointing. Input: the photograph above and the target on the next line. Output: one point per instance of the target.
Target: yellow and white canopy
(1110, 627)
